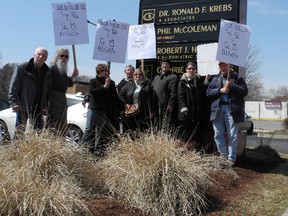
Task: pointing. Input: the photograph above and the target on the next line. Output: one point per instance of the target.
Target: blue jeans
(95, 129)
(224, 123)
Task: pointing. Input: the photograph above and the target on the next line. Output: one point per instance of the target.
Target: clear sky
(26, 25)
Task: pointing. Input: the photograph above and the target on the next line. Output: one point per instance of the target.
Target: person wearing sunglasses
(59, 83)
(27, 91)
(191, 95)
(103, 102)
(137, 93)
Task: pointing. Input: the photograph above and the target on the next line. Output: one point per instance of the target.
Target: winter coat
(145, 97)
(57, 98)
(190, 97)
(102, 99)
(27, 88)
(122, 83)
(238, 90)
(165, 91)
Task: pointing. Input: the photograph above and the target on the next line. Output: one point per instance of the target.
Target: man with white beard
(60, 81)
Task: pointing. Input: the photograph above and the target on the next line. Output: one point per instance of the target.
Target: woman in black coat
(137, 92)
(191, 92)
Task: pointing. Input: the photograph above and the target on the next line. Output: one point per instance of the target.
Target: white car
(76, 119)
(7, 124)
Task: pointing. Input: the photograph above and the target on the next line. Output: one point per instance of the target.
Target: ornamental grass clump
(44, 175)
(157, 176)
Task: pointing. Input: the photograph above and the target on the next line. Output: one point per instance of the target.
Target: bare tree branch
(254, 78)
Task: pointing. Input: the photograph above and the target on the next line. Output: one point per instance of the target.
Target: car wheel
(74, 135)
(250, 130)
(3, 132)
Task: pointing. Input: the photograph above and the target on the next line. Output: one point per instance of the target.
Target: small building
(79, 86)
(266, 110)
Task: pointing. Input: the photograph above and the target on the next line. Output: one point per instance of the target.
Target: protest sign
(70, 23)
(206, 59)
(142, 42)
(233, 43)
(111, 41)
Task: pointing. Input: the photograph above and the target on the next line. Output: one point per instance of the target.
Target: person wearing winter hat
(227, 92)
(164, 107)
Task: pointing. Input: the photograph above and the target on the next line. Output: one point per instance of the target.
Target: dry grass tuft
(156, 175)
(44, 175)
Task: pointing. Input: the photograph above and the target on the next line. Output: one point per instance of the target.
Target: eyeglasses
(66, 56)
(191, 68)
(138, 74)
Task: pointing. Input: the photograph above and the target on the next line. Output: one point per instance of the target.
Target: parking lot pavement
(267, 125)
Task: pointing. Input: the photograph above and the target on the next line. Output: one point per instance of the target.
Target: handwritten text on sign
(142, 42)
(111, 41)
(233, 43)
(206, 59)
(70, 23)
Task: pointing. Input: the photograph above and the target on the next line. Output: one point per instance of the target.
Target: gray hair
(133, 69)
(191, 63)
(41, 49)
(57, 53)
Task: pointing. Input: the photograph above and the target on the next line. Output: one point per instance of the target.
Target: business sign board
(181, 26)
(193, 11)
(188, 32)
(273, 104)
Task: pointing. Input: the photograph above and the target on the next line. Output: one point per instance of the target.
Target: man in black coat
(129, 70)
(28, 91)
(164, 106)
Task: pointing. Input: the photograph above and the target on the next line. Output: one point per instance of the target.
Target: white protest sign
(111, 41)
(70, 23)
(206, 59)
(142, 42)
(233, 43)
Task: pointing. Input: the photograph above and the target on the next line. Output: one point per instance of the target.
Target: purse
(132, 110)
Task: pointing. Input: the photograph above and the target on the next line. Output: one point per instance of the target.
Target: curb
(269, 134)
(273, 136)
(268, 119)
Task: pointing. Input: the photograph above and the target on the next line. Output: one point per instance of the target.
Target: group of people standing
(167, 103)
(171, 104)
